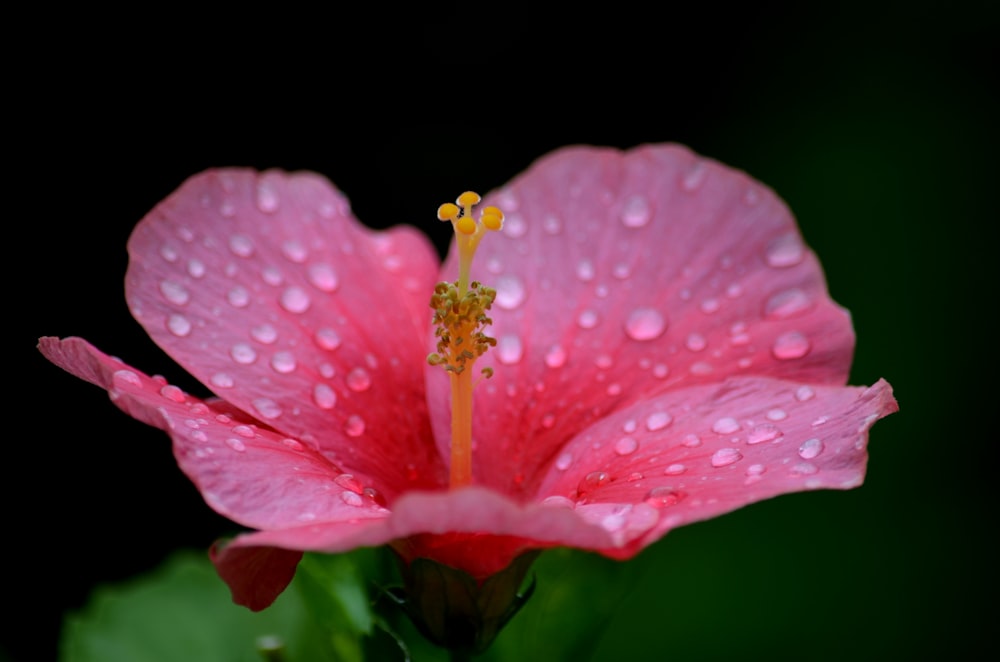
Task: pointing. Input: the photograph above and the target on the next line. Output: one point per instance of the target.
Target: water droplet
(661, 497)
(222, 380)
(804, 393)
(695, 342)
(168, 253)
(645, 324)
(351, 499)
(564, 461)
(243, 353)
(244, 431)
(509, 349)
(283, 362)
(763, 432)
(777, 414)
(661, 370)
(291, 443)
(354, 426)
(196, 268)
(272, 276)
(819, 420)
(514, 226)
(551, 224)
(790, 345)
(725, 425)
(587, 319)
(267, 408)
(548, 421)
(324, 396)
(198, 435)
(804, 469)
(241, 245)
(179, 325)
(327, 370)
(294, 251)
(810, 448)
(756, 469)
(267, 198)
(691, 441)
(323, 277)
(788, 303)
(709, 306)
(295, 300)
(626, 446)
(785, 251)
(635, 212)
(555, 357)
(172, 393)
(592, 481)
(585, 270)
(264, 333)
(236, 444)
(128, 377)
(725, 456)
(358, 380)
(174, 292)
(694, 177)
(557, 501)
(349, 482)
(510, 292)
(674, 470)
(658, 421)
(327, 338)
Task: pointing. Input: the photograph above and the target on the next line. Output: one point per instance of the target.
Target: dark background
(877, 124)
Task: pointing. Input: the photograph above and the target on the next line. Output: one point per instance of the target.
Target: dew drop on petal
(564, 461)
(264, 334)
(283, 362)
(696, 342)
(756, 469)
(725, 425)
(661, 497)
(788, 303)
(694, 177)
(785, 251)
(128, 377)
(658, 421)
(349, 482)
(635, 212)
(243, 353)
(585, 270)
(267, 198)
(168, 253)
(324, 396)
(196, 268)
(351, 498)
(587, 319)
(810, 448)
(272, 276)
(558, 501)
(291, 443)
(236, 444)
(294, 251)
(222, 380)
(592, 481)
(691, 441)
(551, 224)
(776, 414)
(174, 292)
(179, 325)
(555, 357)
(327, 338)
(354, 426)
(238, 297)
(645, 324)
(626, 446)
(172, 393)
(674, 469)
(358, 380)
(763, 432)
(661, 370)
(244, 431)
(804, 393)
(510, 292)
(295, 300)
(241, 245)
(725, 456)
(323, 277)
(514, 226)
(267, 408)
(509, 349)
(790, 345)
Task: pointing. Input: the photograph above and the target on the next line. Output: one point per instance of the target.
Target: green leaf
(183, 612)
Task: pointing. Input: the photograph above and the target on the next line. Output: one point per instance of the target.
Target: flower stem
(461, 428)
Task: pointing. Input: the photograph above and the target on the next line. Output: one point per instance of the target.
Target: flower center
(459, 318)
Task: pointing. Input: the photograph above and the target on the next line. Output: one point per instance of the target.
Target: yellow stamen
(460, 317)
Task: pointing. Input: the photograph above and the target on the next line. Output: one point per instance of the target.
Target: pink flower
(666, 351)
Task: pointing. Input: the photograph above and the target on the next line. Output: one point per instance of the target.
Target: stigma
(460, 318)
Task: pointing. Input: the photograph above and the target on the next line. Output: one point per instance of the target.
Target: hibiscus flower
(663, 350)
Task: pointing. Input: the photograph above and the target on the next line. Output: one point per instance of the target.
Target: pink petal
(266, 289)
(246, 472)
(255, 575)
(621, 275)
(702, 451)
